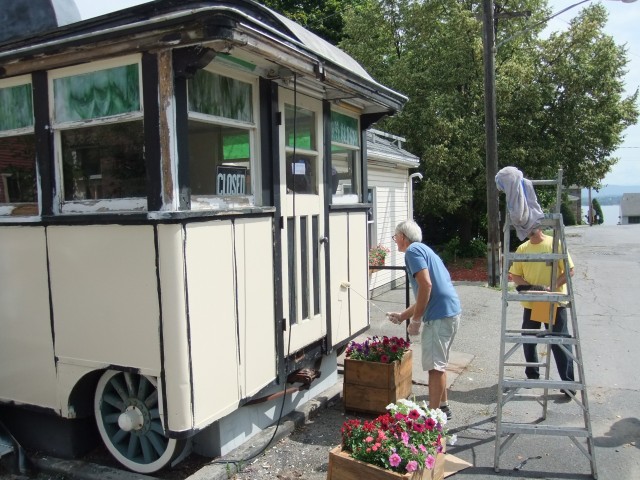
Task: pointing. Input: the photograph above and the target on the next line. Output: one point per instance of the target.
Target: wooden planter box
(371, 386)
(343, 467)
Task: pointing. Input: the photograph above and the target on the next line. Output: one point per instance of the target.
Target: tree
(574, 110)
(323, 17)
(598, 216)
(559, 100)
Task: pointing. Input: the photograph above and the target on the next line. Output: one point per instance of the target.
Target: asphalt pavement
(607, 302)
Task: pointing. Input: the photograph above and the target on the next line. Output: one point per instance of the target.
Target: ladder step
(535, 257)
(536, 297)
(538, 383)
(544, 430)
(525, 364)
(541, 339)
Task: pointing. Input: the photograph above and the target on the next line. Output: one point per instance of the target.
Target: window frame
(302, 101)
(62, 206)
(348, 199)
(7, 208)
(223, 202)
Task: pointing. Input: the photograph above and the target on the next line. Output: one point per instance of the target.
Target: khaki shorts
(436, 338)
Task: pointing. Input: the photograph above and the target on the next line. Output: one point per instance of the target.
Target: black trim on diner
(152, 149)
(328, 193)
(182, 135)
(364, 167)
(270, 158)
(44, 140)
(350, 206)
(129, 218)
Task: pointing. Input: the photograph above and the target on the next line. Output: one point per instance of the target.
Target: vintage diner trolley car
(181, 198)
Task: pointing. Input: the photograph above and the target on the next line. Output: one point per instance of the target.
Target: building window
(346, 175)
(18, 174)
(97, 120)
(222, 135)
(634, 219)
(301, 150)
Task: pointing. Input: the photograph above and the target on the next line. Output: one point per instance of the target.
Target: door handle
(324, 240)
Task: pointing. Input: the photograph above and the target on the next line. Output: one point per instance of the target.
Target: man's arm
(423, 280)
(562, 279)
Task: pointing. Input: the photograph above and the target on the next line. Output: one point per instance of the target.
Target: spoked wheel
(128, 416)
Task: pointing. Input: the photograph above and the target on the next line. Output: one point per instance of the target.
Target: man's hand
(414, 327)
(394, 318)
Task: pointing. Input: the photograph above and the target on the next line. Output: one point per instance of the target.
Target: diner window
(301, 150)
(222, 131)
(97, 118)
(18, 174)
(346, 175)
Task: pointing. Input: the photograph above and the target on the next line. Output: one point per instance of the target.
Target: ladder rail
(508, 389)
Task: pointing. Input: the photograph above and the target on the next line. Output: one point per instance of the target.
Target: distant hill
(610, 194)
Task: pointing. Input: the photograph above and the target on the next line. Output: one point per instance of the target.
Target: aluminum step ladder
(513, 388)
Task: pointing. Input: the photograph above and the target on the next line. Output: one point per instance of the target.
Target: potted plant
(377, 372)
(377, 257)
(407, 442)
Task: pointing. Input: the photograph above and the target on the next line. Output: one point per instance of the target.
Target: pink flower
(412, 466)
(384, 359)
(423, 448)
(429, 462)
(405, 438)
(394, 460)
(414, 414)
(368, 439)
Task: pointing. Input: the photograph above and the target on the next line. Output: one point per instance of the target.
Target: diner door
(302, 191)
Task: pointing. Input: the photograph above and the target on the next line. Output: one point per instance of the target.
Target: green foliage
(323, 17)
(450, 250)
(455, 248)
(560, 101)
(477, 248)
(598, 215)
(568, 217)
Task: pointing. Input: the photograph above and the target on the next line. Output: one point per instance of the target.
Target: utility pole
(493, 220)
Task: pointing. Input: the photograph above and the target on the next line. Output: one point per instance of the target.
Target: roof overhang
(220, 25)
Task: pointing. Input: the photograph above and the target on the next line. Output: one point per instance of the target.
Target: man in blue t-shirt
(437, 308)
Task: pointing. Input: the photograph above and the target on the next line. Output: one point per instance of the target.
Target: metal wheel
(128, 416)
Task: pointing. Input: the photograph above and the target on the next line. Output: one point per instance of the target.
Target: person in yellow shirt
(539, 273)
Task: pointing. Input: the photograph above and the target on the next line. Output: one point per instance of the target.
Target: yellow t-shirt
(538, 273)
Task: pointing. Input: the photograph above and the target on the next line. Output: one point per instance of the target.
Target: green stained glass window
(16, 107)
(344, 129)
(236, 147)
(305, 128)
(102, 93)
(213, 94)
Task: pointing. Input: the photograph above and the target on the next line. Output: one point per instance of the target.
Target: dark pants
(563, 361)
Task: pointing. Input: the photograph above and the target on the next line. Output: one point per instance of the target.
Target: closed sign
(231, 180)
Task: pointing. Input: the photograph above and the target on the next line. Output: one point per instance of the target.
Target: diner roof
(228, 24)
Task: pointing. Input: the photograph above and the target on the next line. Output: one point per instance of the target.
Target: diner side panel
(256, 299)
(340, 295)
(358, 271)
(28, 374)
(104, 300)
(212, 284)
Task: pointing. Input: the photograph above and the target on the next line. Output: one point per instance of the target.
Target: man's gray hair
(411, 230)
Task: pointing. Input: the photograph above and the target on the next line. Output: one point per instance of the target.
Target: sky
(624, 19)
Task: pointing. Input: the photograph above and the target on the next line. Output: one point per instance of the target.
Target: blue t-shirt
(444, 301)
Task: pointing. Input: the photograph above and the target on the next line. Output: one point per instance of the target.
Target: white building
(391, 195)
(630, 208)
